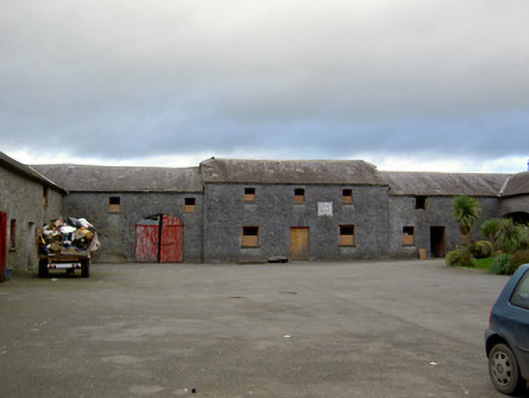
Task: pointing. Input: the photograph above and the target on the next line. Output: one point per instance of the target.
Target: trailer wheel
(85, 268)
(43, 268)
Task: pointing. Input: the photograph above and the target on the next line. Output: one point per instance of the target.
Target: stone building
(27, 200)
(229, 210)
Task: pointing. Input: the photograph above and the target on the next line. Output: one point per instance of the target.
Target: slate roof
(444, 184)
(81, 178)
(27, 172)
(289, 172)
(517, 184)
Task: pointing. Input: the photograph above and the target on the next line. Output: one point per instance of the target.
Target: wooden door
(299, 243)
(172, 243)
(3, 246)
(150, 248)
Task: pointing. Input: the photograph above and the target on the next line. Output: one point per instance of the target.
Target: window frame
(114, 207)
(524, 304)
(406, 236)
(347, 239)
(249, 194)
(190, 204)
(347, 196)
(298, 197)
(250, 240)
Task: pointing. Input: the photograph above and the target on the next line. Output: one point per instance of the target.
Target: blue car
(507, 338)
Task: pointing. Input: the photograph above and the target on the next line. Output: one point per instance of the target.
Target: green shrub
(460, 256)
(482, 249)
(520, 257)
(501, 265)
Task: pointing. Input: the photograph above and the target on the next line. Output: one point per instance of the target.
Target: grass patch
(482, 263)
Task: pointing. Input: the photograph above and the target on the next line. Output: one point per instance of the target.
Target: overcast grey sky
(410, 84)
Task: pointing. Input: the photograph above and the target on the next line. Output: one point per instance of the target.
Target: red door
(150, 248)
(171, 248)
(3, 246)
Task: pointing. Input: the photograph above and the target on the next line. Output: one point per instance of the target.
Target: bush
(460, 256)
(482, 249)
(501, 265)
(520, 257)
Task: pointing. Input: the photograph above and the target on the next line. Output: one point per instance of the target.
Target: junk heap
(71, 237)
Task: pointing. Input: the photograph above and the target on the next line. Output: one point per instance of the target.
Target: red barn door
(171, 248)
(150, 248)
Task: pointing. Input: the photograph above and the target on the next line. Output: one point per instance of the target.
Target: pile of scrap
(71, 237)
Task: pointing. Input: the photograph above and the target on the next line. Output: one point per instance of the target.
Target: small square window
(189, 205)
(114, 204)
(249, 195)
(299, 195)
(347, 235)
(408, 236)
(420, 202)
(250, 236)
(347, 196)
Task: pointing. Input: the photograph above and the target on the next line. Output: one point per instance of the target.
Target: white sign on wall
(325, 209)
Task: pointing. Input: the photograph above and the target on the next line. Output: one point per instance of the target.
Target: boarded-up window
(299, 195)
(347, 235)
(45, 196)
(249, 195)
(347, 196)
(408, 236)
(420, 202)
(13, 234)
(189, 205)
(114, 204)
(250, 236)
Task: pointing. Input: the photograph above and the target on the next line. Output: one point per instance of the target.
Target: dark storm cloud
(132, 79)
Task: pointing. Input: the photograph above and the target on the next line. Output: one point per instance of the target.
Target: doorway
(299, 243)
(159, 239)
(437, 241)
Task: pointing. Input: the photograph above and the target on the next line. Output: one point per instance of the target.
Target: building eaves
(84, 178)
(29, 173)
(444, 184)
(317, 172)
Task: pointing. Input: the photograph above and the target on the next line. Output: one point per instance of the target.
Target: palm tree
(491, 230)
(466, 211)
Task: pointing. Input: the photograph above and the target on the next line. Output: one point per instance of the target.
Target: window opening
(114, 204)
(13, 234)
(347, 196)
(45, 196)
(299, 195)
(249, 195)
(408, 236)
(250, 236)
(347, 235)
(189, 205)
(420, 202)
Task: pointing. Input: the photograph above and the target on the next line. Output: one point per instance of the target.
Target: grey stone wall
(275, 212)
(21, 199)
(515, 204)
(117, 231)
(437, 212)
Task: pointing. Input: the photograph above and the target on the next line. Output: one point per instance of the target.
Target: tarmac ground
(363, 329)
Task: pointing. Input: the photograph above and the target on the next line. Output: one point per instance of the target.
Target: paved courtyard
(365, 329)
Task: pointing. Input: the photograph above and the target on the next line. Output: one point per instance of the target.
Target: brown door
(299, 243)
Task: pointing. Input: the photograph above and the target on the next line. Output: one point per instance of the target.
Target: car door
(519, 302)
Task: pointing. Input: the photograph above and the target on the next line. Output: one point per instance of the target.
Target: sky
(406, 85)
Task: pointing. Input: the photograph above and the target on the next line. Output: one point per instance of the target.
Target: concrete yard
(363, 329)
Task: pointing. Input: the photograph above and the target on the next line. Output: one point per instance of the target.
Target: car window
(520, 297)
